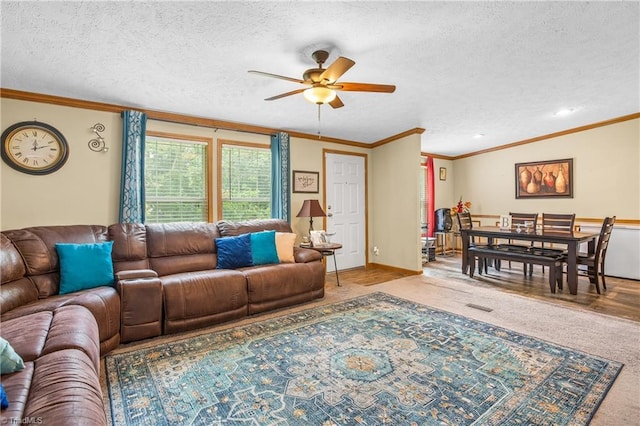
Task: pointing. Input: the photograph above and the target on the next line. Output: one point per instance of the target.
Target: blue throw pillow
(234, 252)
(4, 402)
(10, 361)
(84, 266)
(263, 247)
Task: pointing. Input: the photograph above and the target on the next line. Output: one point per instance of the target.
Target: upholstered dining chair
(595, 262)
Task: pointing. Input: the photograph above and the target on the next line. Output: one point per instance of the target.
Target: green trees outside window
(245, 182)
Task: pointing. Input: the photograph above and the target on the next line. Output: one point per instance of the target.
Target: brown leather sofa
(166, 282)
(194, 292)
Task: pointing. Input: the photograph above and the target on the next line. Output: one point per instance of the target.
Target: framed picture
(317, 238)
(443, 173)
(306, 182)
(545, 179)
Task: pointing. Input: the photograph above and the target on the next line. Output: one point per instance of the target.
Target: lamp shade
(311, 208)
(319, 95)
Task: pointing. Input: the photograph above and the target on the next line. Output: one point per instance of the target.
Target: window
(244, 181)
(175, 179)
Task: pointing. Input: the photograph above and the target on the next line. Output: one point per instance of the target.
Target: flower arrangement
(461, 207)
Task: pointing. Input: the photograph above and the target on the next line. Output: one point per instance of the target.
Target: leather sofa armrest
(305, 255)
(135, 274)
(140, 308)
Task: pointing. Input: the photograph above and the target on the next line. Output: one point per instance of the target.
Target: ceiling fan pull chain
(319, 121)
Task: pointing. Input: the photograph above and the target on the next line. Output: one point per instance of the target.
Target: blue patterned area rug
(372, 360)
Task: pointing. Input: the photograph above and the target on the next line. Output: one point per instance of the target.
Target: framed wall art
(443, 173)
(306, 182)
(545, 179)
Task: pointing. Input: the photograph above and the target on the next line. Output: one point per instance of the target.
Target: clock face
(33, 147)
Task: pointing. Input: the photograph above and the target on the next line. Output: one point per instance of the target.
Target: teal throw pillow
(263, 247)
(234, 252)
(84, 266)
(10, 361)
(4, 401)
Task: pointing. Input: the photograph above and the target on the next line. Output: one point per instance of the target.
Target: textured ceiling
(497, 68)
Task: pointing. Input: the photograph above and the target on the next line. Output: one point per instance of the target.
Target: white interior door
(345, 187)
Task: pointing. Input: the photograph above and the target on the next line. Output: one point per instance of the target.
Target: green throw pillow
(263, 247)
(84, 266)
(10, 361)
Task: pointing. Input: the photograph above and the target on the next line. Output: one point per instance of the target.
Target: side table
(327, 249)
(443, 235)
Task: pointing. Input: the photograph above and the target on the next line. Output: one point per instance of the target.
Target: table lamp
(311, 209)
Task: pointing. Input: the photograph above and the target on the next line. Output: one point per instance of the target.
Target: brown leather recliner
(31, 277)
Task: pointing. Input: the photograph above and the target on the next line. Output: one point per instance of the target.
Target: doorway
(345, 189)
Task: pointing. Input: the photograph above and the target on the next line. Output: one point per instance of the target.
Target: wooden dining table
(572, 240)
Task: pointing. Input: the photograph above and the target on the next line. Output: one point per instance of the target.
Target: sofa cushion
(263, 248)
(10, 361)
(37, 249)
(17, 387)
(229, 229)
(234, 252)
(28, 345)
(65, 389)
(202, 298)
(84, 266)
(174, 248)
(284, 246)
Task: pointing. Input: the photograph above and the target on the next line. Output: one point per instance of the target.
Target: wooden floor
(621, 299)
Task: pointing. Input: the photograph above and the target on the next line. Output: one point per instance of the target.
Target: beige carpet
(596, 334)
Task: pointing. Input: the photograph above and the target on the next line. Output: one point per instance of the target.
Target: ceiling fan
(322, 83)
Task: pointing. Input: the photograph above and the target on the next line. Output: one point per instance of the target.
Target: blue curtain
(280, 180)
(132, 183)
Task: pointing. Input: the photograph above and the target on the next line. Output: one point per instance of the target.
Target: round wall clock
(34, 148)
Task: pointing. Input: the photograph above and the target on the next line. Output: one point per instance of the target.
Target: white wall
(394, 199)
(444, 190)
(606, 162)
(83, 191)
(86, 190)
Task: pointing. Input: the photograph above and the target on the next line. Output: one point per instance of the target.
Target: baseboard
(394, 269)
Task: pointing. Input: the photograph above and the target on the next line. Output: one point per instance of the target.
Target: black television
(443, 220)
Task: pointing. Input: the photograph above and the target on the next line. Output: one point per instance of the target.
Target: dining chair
(519, 219)
(557, 223)
(466, 222)
(595, 262)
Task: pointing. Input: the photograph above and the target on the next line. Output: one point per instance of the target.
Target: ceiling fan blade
(365, 87)
(336, 69)
(282, 95)
(336, 103)
(281, 77)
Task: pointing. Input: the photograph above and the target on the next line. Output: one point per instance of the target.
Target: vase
(533, 187)
(537, 176)
(549, 181)
(561, 183)
(525, 178)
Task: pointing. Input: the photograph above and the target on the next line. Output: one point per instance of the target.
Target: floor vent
(482, 308)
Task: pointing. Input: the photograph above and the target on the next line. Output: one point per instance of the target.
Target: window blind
(175, 181)
(246, 182)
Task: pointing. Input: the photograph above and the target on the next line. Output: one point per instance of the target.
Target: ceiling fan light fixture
(319, 95)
